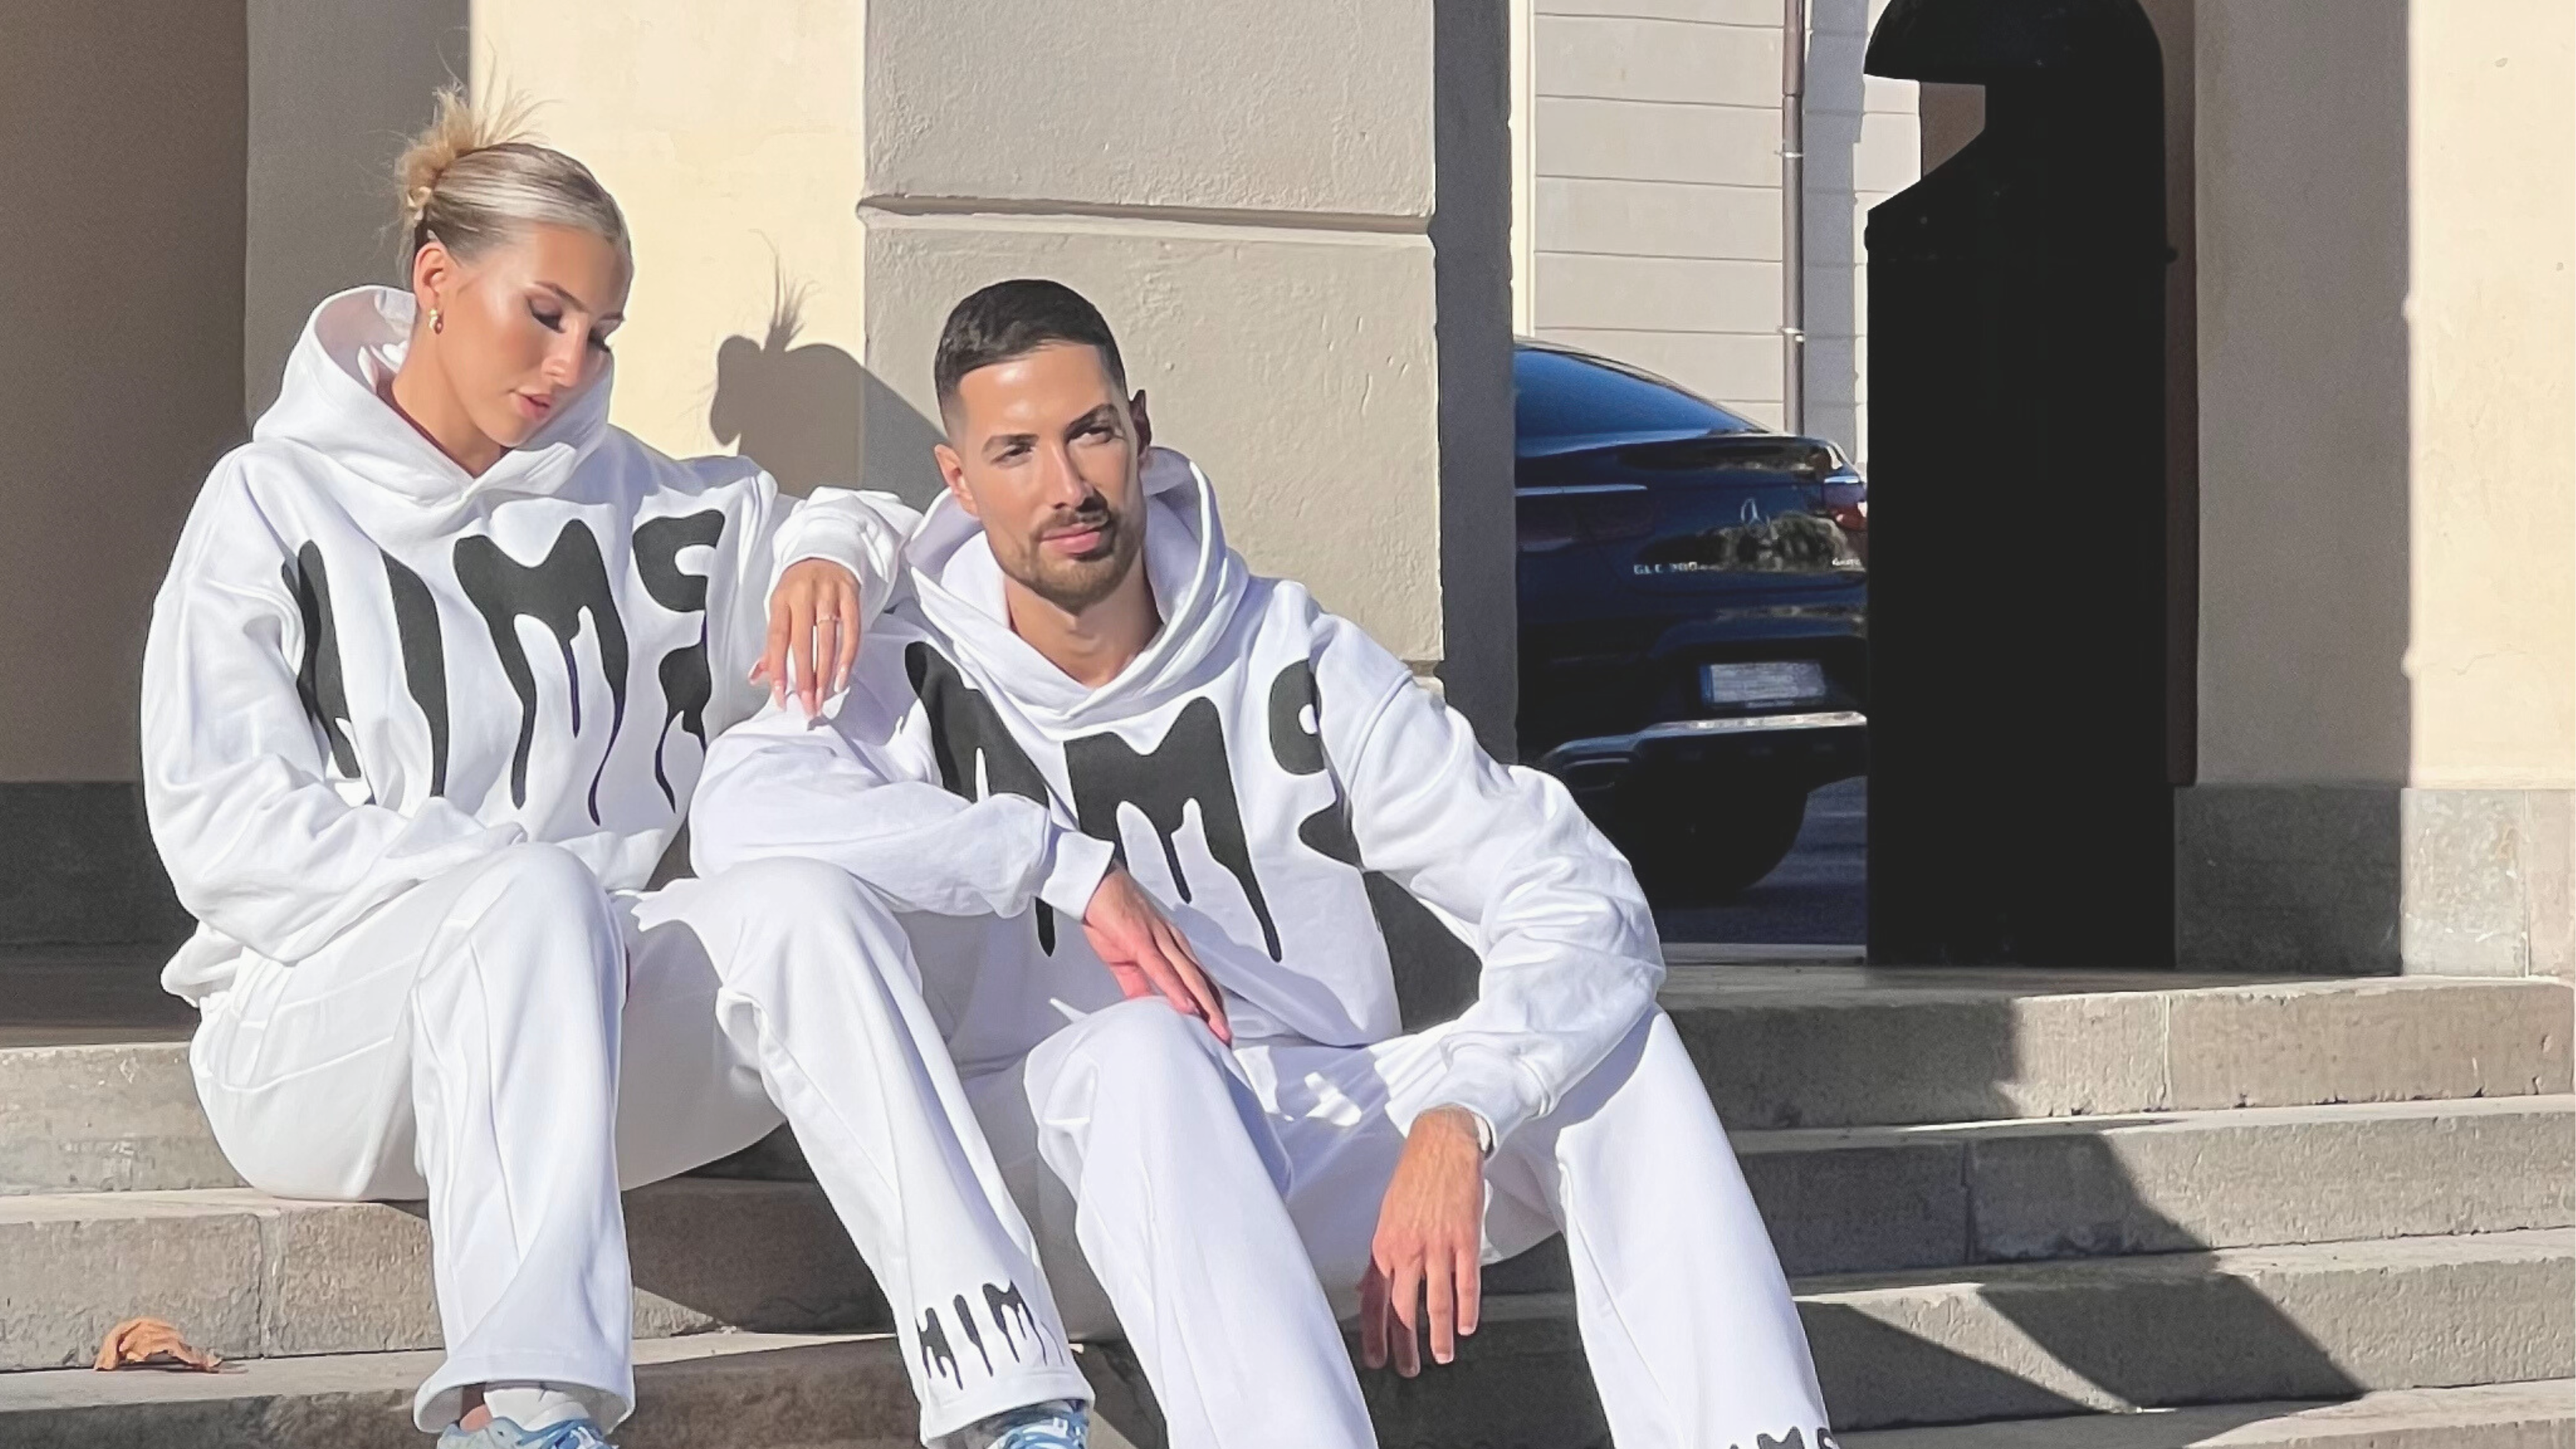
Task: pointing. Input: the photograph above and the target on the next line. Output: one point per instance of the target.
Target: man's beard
(1074, 585)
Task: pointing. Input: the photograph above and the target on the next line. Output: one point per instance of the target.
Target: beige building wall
(730, 136)
(2491, 211)
(2387, 680)
(1652, 170)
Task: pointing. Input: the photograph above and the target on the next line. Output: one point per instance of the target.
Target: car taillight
(1846, 500)
(1562, 516)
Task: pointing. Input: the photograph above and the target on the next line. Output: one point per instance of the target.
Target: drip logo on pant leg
(974, 1335)
(1009, 1309)
(936, 1358)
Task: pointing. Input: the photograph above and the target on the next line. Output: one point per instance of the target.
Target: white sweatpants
(515, 1043)
(1225, 1203)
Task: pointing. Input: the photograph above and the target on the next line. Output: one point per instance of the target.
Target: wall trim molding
(1047, 208)
(2375, 879)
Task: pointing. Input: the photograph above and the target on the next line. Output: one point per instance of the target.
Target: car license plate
(1781, 681)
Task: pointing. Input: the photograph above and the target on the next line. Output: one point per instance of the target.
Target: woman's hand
(814, 616)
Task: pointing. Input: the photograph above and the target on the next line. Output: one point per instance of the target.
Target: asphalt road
(1819, 894)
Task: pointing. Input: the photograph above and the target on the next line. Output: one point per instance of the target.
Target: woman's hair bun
(458, 130)
(473, 180)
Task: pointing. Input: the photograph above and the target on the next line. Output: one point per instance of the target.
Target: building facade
(1648, 223)
(1316, 227)
(2386, 314)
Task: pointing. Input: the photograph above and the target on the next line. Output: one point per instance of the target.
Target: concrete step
(2246, 1177)
(2239, 1325)
(1781, 1047)
(1856, 1199)
(249, 1276)
(104, 1119)
(754, 1391)
(740, 1390)
(2492, 1416)
(1837, 1046)
(2036, 1340)
(2007, 1342)
(261, 1276)
(1865, 1199)
(2256, 1327)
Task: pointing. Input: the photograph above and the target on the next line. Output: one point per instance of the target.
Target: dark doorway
(2021, 807)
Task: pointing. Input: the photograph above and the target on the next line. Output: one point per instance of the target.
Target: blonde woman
(428, 687)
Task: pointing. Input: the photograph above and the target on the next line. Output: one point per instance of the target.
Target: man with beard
(1086, 689)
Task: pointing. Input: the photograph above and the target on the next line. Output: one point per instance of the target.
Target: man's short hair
(1013, 319)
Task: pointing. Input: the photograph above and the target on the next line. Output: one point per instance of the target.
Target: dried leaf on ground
(153, 1344)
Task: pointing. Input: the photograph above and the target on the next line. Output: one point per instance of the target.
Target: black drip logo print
(1796, 1440)
(974, 1335)
(1300, 751)
(318, 679)
(978, 757)
(1408, 927)
(936, 1356)
(424, 656)
(1012, 1321)
(1011, 1316)
(976, 754)
(556, 591)
(571, 581)
(687, 683)
(1187, 768)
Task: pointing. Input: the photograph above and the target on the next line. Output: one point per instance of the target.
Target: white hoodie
(1255, 767)
(367, 667)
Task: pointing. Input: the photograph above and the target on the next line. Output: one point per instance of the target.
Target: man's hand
(814, 619)
(1426, 1262)
(1144, 950)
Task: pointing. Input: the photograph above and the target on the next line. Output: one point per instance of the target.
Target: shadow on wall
(2305, 509)
(804, 412)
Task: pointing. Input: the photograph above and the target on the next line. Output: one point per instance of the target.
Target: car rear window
(1562, 395)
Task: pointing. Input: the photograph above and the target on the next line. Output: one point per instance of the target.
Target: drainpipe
(1793, 214)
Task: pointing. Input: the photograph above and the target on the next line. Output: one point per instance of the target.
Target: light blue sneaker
(506, 1434)
(1056, 1424)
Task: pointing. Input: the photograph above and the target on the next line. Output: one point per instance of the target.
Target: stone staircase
(2021, 1209)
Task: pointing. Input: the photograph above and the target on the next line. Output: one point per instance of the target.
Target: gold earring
(437, 320)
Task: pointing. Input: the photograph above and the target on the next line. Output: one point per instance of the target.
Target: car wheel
(1694, 848)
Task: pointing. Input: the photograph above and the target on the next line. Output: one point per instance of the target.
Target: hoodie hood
(329, 403)
(1198, 586)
